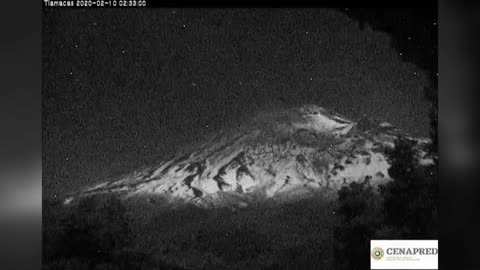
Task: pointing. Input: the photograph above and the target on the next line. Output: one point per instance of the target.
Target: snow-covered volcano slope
(280, 155)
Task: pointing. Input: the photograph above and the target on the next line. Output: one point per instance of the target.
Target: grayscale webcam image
(236, 138)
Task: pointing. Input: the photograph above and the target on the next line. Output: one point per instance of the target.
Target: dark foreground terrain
(190, 238)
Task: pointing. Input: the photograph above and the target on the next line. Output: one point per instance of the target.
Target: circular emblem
(377, 253)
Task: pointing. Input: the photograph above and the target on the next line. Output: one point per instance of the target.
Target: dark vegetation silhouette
(405, 208)
(357, 211)
(104, 233)
(93, 234)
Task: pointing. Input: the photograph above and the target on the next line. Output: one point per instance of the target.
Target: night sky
(125, 88)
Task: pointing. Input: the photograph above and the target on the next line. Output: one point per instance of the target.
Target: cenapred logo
(404, 254)
(377, 253)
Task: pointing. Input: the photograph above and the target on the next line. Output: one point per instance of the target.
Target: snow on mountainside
(280, 155)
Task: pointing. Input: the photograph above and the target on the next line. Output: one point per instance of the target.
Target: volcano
(279, 156)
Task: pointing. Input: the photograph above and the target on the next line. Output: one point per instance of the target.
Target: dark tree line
(93, 234)
(405, 208)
